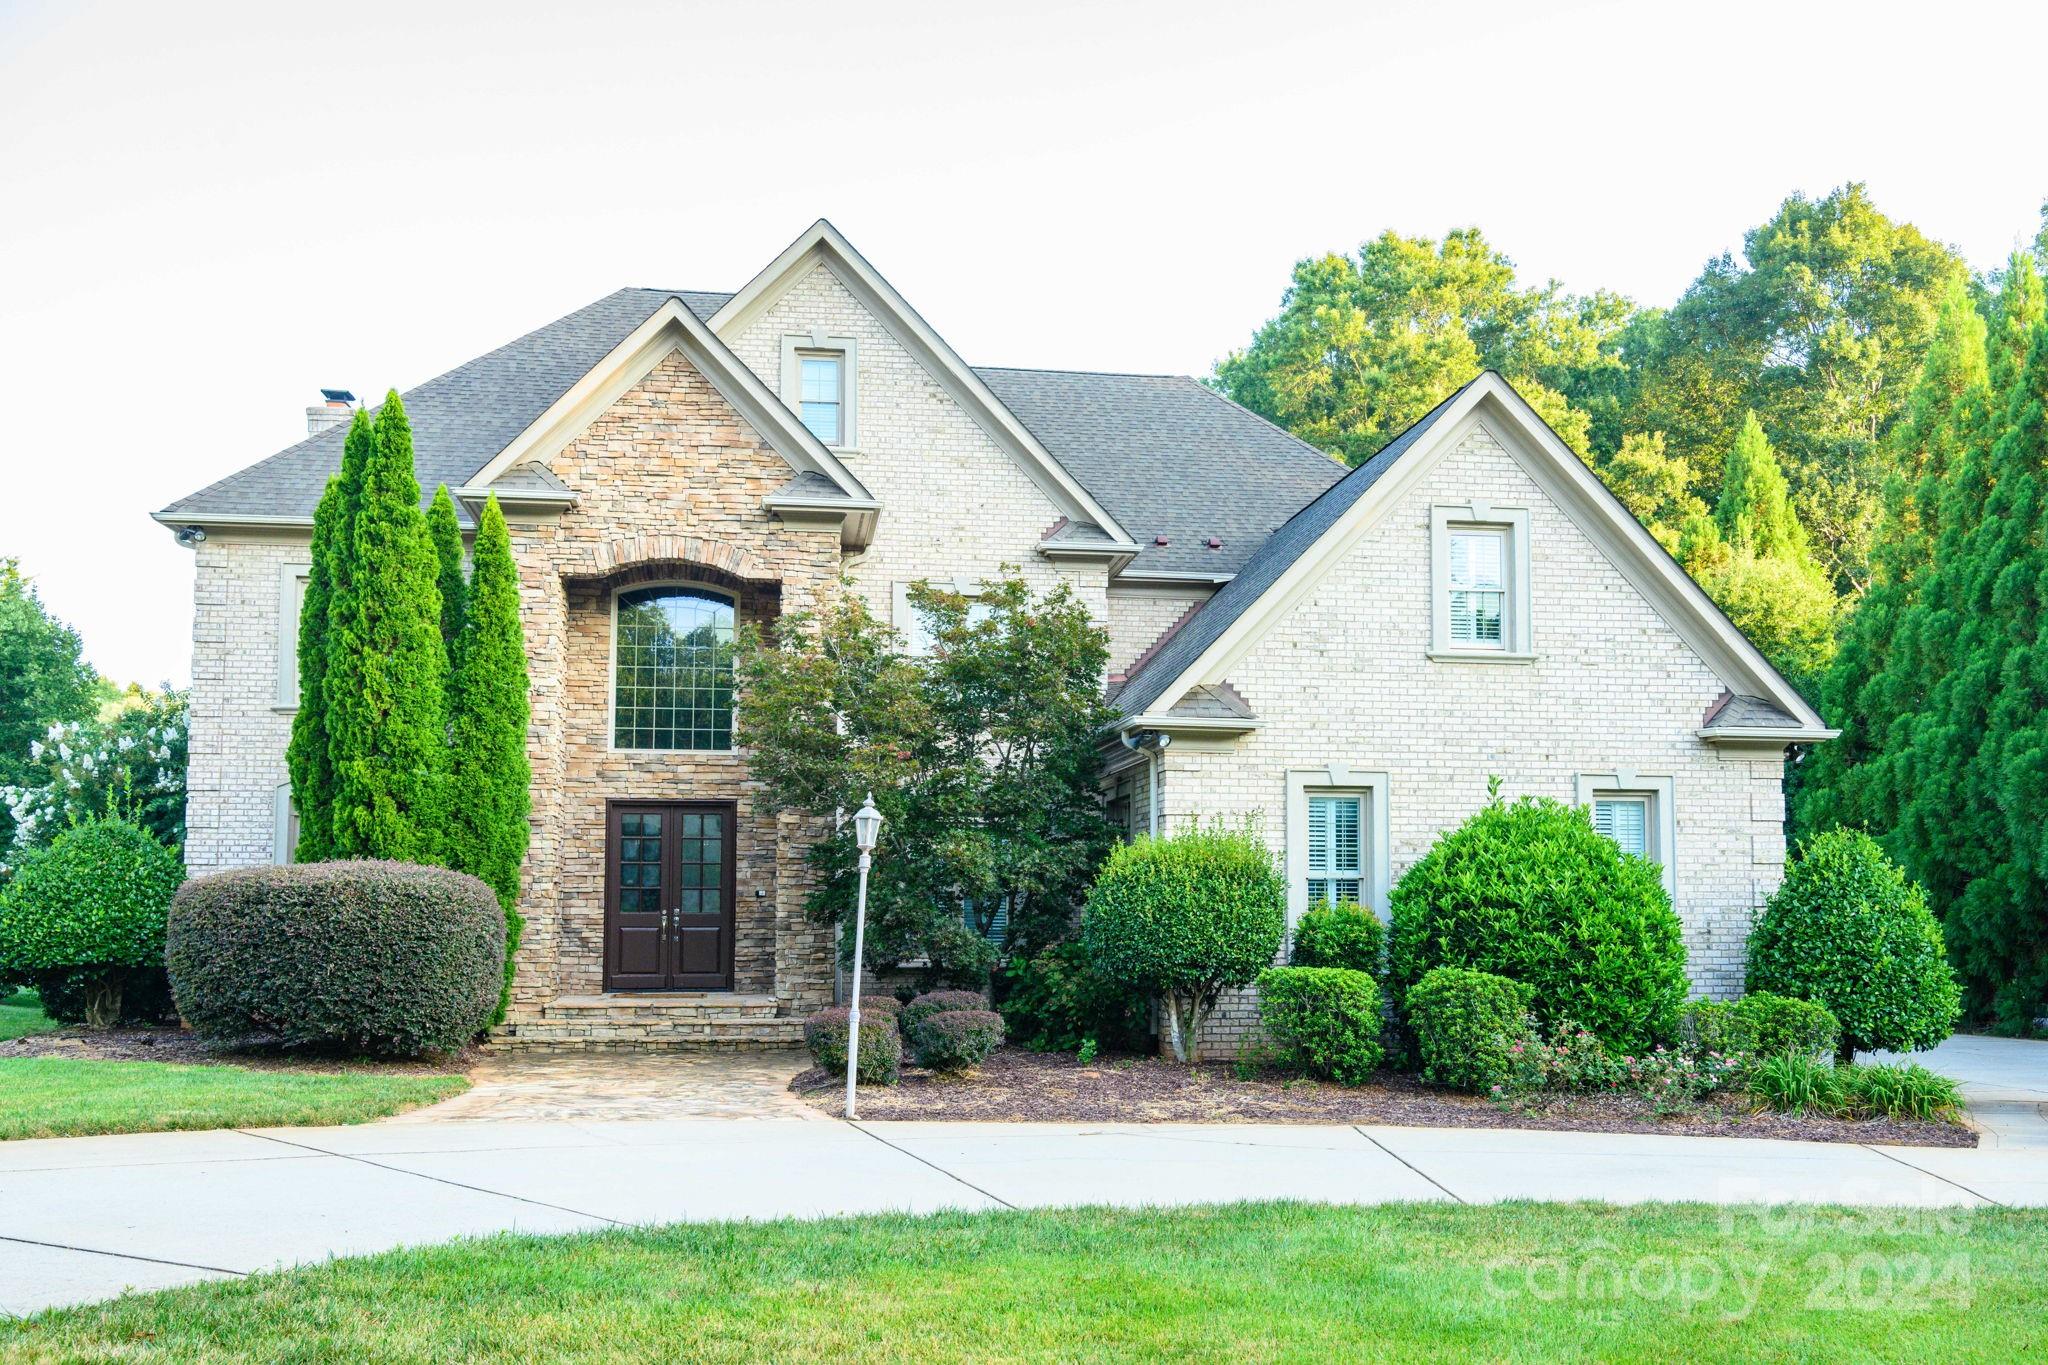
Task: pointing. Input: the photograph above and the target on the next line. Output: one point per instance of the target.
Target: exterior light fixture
(867, 827)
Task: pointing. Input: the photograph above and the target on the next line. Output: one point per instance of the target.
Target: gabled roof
(1300, 551)
(1169, 457)
(823, 243)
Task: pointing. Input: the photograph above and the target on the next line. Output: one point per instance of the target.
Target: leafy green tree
(44, 681)
(491, 778)
(1755, 509)
(446, 534)
(387, 666)
(980, 755)
(127, 763)
(1364, 345)
(1819, 329)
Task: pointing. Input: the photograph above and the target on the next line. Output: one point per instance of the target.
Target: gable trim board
(1289, 566)
(822, 244)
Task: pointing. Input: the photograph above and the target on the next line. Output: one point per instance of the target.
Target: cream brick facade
(1139, 616)
(1344, 678)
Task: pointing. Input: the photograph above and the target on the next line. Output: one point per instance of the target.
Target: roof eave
(1765, 734)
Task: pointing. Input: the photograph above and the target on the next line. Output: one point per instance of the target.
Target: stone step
(662, 1005)
(656, 1019)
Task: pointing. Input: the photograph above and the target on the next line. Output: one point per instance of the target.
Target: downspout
(1152, 744)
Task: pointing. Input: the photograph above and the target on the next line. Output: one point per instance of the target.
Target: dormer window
(822, 402)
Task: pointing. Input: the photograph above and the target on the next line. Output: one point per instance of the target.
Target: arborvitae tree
(487, 829)
(1756, 564)
(447, 537)
(307, 756)
(1755, 508)
(387, 667)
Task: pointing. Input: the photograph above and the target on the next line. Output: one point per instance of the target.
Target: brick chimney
(332, 413)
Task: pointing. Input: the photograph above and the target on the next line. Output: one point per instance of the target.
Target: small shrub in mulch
(881, 1046)
(937, 1002)
(954, 1041)
(1325, 1019)
(1467, 1026)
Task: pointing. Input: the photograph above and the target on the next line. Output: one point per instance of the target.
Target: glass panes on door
(823, 397)
(673, 688)
(640, 864)
(1478, 573)
(702, 863)
(1626, 820)
(1336, 851)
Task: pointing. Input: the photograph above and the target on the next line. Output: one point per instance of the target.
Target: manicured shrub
(887, 1006)
(1760, 1024)
(1467, 1026)
(1530, 890)
(1326, 1020)
(1347, 935)
(956, 1040)
(1184, 918)
(881, 1046)
(387, 959)
(86, 913)
(1848, 930)
(937, 1002)
(1058, 1002)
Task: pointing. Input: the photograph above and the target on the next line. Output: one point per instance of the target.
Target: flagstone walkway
(625, 1086)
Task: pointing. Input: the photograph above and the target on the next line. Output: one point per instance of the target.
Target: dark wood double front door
(668, 902)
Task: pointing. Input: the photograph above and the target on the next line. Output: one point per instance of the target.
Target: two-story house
(1346, 655)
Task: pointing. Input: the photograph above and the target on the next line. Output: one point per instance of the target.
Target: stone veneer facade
(1344, 678)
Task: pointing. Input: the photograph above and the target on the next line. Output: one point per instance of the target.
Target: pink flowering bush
(1573, 1060)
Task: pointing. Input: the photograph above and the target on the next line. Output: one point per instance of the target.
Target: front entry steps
(656, 1018)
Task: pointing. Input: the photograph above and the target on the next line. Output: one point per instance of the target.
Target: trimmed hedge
(1184, 918)
(1530, 890)
(85, 917)
(881, 1046)
(1761, 1024)
(1326, 1020)
(937, 1002)
(1848, 930)
(1467, 1025)
(956, 1040)
(1347, 935)
(382, 958)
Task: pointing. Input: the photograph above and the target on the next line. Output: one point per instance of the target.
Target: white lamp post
(867, 824)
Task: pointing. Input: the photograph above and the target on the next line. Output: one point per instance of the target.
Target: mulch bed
(182, 1045)
(1033, 1087)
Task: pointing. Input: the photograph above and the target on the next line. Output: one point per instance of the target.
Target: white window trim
(281, 824)
(904, 616)
(1514, 522)
(793, 345)
(611, 645)
(1662, 827)
(1336, 779)
(289, 576)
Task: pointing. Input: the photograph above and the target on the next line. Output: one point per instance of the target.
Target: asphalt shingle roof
(1142, 691)
(1169, 457)
(1165, 455)
(1735, 712)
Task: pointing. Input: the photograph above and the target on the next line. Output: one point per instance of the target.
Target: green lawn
(22, 1014)
(1238, 1283)
(59, 1097)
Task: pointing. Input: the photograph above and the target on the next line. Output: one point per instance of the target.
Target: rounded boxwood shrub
(1761, 1024)
(1849, 931)
(85, 917)
(881, 1046)
(1530, 890)
(1346, 935)
(382, 958)
(956, 1040)
(1467, 1025)
(1183, 918)
(924, 1006)
(1326, 1020)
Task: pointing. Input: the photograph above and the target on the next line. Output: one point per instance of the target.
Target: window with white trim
(916, 626)
(1336, 849)
(1635, 810)
(1624, 819)
(1478, 586)
(291, 604)
(821, 379)
(284, 835)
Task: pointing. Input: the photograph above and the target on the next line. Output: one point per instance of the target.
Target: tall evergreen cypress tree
(387, 667)
(1755, 509)
(1762, 573)
(487, 829)
(447, 537)
(306, 756)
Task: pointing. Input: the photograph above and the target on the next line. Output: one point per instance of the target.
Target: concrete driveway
(2005, 1085)
(89, 1217)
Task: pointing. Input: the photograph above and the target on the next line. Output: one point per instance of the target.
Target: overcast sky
(208, 211)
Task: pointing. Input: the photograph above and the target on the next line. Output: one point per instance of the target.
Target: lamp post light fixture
(867, 825)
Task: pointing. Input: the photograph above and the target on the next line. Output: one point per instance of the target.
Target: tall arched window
(672, 687)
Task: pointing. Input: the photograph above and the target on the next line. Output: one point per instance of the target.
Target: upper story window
(673, 669)
(916, 626)
(291, 604)
(1478, 586)
(1479, 577)
(821, 385)
(822, 377)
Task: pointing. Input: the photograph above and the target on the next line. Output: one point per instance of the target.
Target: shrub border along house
(386, 959)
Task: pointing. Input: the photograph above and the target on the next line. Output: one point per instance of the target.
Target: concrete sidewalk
(89, 1217)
